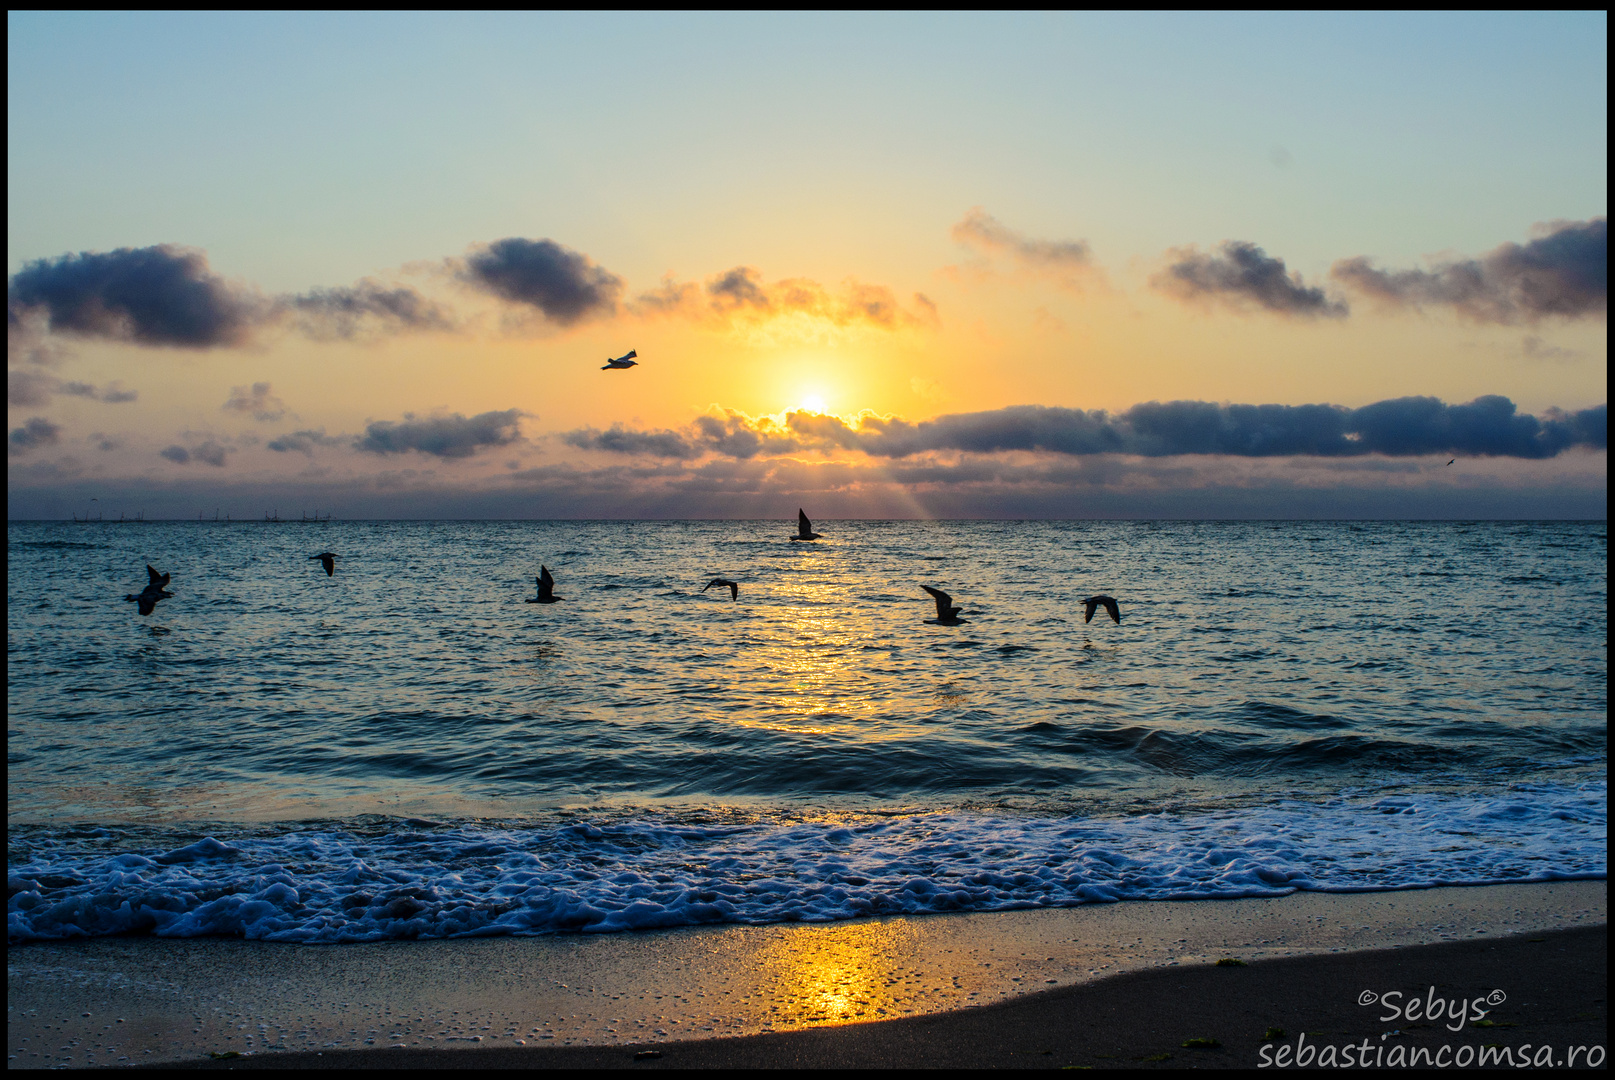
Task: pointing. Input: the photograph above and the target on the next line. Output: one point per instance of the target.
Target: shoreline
(160, 1001)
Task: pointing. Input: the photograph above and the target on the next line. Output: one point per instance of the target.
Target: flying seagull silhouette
(546, 588)
(947, 614)
(327, 560)
(1450, 462)
(804, 527)
(153, 592)
(733, 586)
(622, 363)
(1109, 603)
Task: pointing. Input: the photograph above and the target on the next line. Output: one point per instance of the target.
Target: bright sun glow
(812, 403)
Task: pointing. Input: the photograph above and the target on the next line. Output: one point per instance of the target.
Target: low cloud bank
(1486, 427)
(1563, 272)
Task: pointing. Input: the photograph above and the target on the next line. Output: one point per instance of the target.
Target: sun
(813, 403)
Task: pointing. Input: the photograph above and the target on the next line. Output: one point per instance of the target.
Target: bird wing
(803, 525)
(546, 583)
(154, 578)
(1087, 609)
(329, 562)
(944, 602)
(1114, 609)
(711, 583)
(629, 355)
(148, 604)
(734, 591)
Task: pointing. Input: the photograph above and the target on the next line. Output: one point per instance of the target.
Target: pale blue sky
(310, 148)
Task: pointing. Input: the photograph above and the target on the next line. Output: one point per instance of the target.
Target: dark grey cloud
(1564, 272)
(452, 436)
(345, 311)
(1486, 427)
(564, 284)
(980, 230)
(35, 433)
(1239, 275)
(162, 295)
(1105, 486)
(208, 452)
(33, 388)
(28, 389)
(167, 296)
(303, 442)
(257, 402)
(621, 440)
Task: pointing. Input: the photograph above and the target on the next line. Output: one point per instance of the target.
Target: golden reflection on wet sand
(849, 972)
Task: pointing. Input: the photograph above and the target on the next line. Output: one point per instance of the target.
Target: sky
(873, 265)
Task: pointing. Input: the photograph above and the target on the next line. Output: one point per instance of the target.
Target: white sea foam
(331, 884)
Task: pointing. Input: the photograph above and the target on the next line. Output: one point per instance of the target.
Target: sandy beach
(1117, 984)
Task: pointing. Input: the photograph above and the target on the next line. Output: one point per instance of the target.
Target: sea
(409, 750)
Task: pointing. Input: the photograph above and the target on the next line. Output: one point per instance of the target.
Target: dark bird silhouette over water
(804, 527)
(153, 592)
(327, 560)
(546, 588)
(622, 363)
(947, 614)
(732, 586)
(1109, 603)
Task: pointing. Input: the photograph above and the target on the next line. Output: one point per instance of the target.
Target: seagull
(153, 592)
(733, 586)
(1109, 603)
(622, 363)
(546, 588)
(1450, 462)
(328, 560)
(804, 527)
(947, 614)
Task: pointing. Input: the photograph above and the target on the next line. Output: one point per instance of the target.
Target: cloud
(985, 233)
(343, 312)
(1486, 427)
(303, 442)
(28, 389)
(741, 296)
(32, 388)
(35, 433)
(167, 296)
(620, 440)
(163, 295)
(563, 284)
(208, 452)
(452, 436)
(259, 402)
(1563, 272)
(1239, 275)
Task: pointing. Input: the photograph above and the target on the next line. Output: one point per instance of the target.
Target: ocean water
(408, 750)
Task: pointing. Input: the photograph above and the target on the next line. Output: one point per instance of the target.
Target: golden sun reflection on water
(855, 971)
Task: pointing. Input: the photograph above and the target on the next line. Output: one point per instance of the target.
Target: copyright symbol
(1368, 997)
(1496, 997)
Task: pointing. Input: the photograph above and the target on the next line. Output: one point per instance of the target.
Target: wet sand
(1039, 988)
